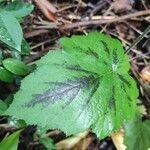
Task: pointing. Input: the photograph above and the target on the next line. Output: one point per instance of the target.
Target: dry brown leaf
(125, 32)
(117, 139)
(69, 143)
(122, 5)
(145, 73)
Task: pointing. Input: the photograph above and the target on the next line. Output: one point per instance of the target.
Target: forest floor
(123, 19)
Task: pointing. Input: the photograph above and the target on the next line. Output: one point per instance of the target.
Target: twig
(135, 29)
(141, 55)
(75, 17)
(139, 38)
(143, 3)
(105, 21)
(99, 6)
(35, 33)
(6, 126)
(66, 7)
(41, 53)
(47, 9)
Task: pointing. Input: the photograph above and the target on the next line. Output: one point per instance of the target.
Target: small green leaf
(3, 107)
(16, 123)
(15, 66)
(48, 143)
(19, 9)
(5, 75)
(10, 30)
(139, 132)
(85, 85)
(25, 48)
(10, 142)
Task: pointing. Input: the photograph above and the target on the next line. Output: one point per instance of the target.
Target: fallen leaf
(145, 73)
(122, 5)
(69, 143)
(117, 139)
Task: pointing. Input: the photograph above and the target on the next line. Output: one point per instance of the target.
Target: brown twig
(47, 9)
(105, 21)
(99, 6)
(35, 33)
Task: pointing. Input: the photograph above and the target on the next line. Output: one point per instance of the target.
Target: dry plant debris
(124, 19)
(145, 73)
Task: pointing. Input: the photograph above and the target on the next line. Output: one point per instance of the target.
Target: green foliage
(25, 48)
(16, 123)
(12, 66)
(84, 85)
(19, 9)
(15, 66)
(11, 36)
(1, 56)
(3, 107)
(48, 143)
(10, 142)
(139, 132)
(10, 29)
(9, 99)
(5, 75)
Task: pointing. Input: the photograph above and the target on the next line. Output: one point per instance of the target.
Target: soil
(42, 34)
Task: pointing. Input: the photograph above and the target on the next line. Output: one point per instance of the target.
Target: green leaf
(10, 30)
(85, 85)
(9, 98)
(48, 143)
(3, 107)
(16, 123)
(15, 66)
(10, 142)
(139, 132)
(1, 56)
(25, 48)
(19, 9)
(5, 75)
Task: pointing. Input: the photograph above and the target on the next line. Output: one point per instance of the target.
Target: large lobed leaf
(84, 85)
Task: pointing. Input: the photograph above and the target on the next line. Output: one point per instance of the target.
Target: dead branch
(47, 9)
(106, 21)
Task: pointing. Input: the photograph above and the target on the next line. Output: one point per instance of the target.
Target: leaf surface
(85, 85)
(19, 9)
(48, 143)
(5, 75)
(139, 132)
(15, 66)
(10, 30)
(10, 142)
(3, 107)
(25, 48)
